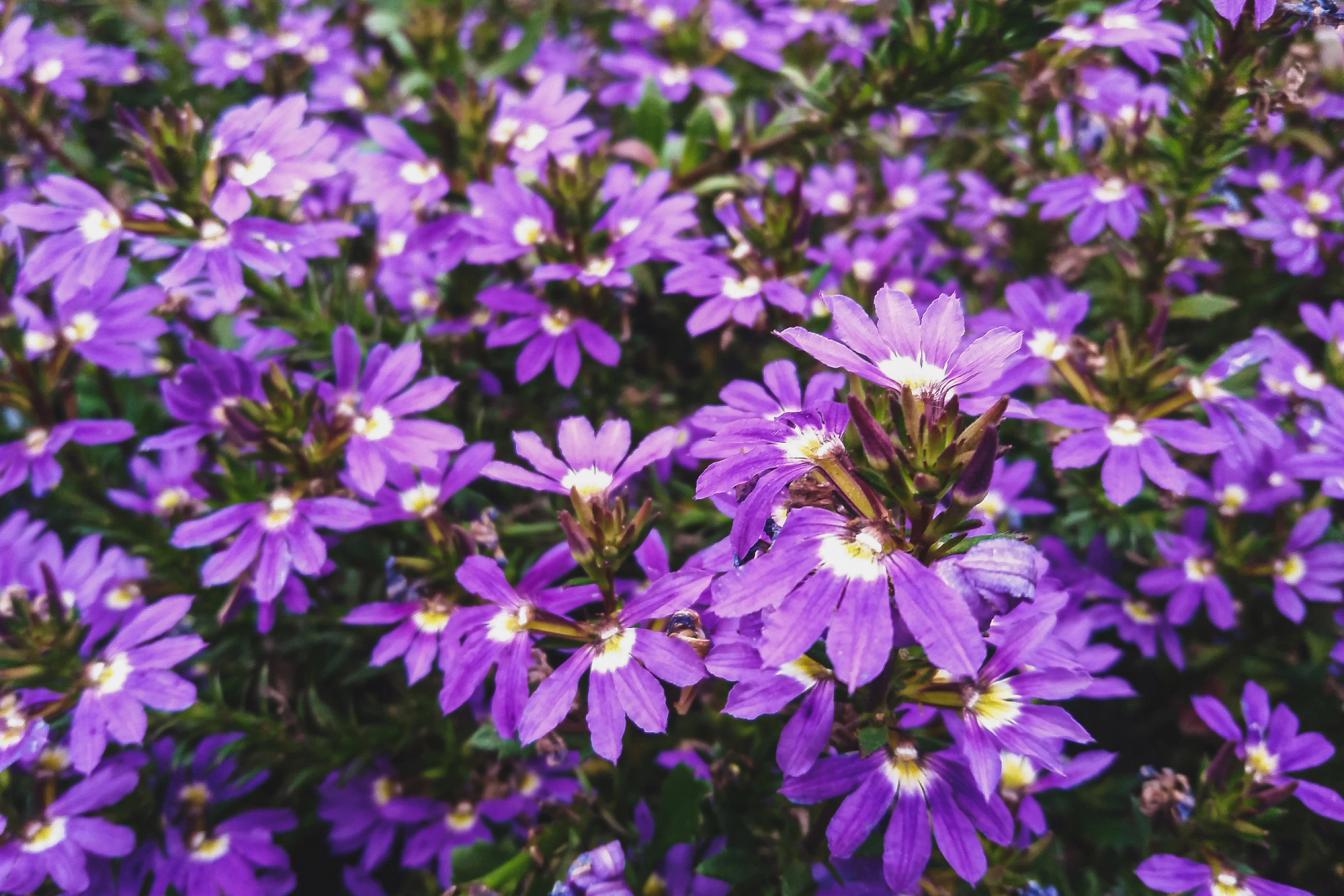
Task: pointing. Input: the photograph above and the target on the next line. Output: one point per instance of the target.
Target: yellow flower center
(615, 650)
(418, 172)
(108, 676)
(589, 482)
(97, 224)
(1124, 431)
(857, 556)
(1291, 569)
(40, 836)
(208, 849)
(83, 326)
(376, 425)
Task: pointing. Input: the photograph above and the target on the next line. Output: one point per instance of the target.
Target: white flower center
(1198, 569)
(1124, 431)
(811, 444)
(278, 513)
(615, 650)
(257, 166)
(418, 171)
(1291, 569)
(431, 619)
(376, 425)
(662, 18)
(674, 75)
(857, 556)
(1305, 228)
(48, 70)
(903, 770)
(97, 224)
(1228, 884)
(995, 706)
(555, 322)
(1308, 378)
(460, 819)
(505, 625)
(1269, 181)
(733, 38)
(527, 231)
(1232, 498)
(171, 498)
(599, 267)
(208, 849)
(589, 482)
(83, 326)
(915, 374)
(1139, 611)
(532, 136)
(40, 836)
(1318, 203)
(237, 60)
(1260, 762)
(108, 676)
(1046, 344)
(213, 234)
(838, 202)
(35, 342)
(904, 197)
(864, 269)
(35, 442)
(1112, 189)
(1017, 772)
(800, 670)
(420, 499)
(992, 505)
(122, 596)
(736, 288)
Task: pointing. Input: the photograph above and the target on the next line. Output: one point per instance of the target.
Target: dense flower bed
(671, 447)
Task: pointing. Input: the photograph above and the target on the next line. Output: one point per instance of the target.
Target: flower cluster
(671, 446)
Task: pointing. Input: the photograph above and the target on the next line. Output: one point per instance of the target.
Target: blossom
(377, 405)
(22, 734)
(419, 494)
(541, 124)
(1172, 874)
(762, 689)
(729, 293)
(115, 330)
(200, 394)
(133, 670)
(274, 536)
(780, 392)
(1190, 576)
(550, 336)
(56, 843)
(1004, 502)
(367, 812)
(401, 177)
(456, 826)
(595, 464)
(1295, 237)
(85, 231)
(906, 350)
(773, 453)
(1308, 569)
(267, 147)
(1132, 447)
(825, 572)
(922, 791)
(625, 664)
(495, 635)
(1271, 746)
(166, 489)
(237, 854)
(1093, 202)
(507, 219)
(33, 458)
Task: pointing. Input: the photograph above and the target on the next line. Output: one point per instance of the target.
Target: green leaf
(487, 738)
(734, 866)
(1201, 306)
(677, 818)
(871, 739)
(652, 116)
(514, 58)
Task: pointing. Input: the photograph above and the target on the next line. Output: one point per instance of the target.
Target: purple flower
(273, 536)
(1020, 780)
(1004, 500)
(132, 671)
(1136, 27)
(85, 231)
(625, 664)
(996, 713)
(167, 489)
(915, 196)
(778, 393)
(457, 826)
(552, 336)
(729, 294)
(595, 464)
(507, 219)
(922, 791)
(1295, 236)
(33, 458)
(401, 178)
(541, 124)
(496, 635)
(1231, 10)
(1307, 569)
(416, 495)
(1132, 448)
(55, 845)
(1047, 312)
(597, 872)
(773, 452)
(367, 811)
(904, 350)
(237, 855)
(200, 394)
(762, 689)
(22, 735)
(266, 147)
(1094, 203)
(378, 405)
(1271, 746)
(831, 191)
(107, 328)
(1190, 576)
(1172, 874)
(823, 572)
